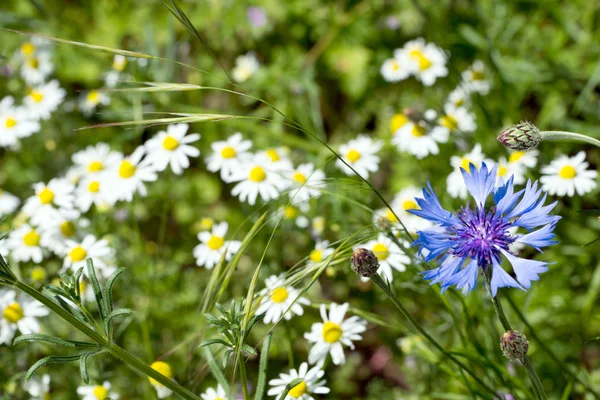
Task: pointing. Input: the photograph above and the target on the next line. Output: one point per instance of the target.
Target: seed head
(364, 262)
(514, 345)
(522, 136)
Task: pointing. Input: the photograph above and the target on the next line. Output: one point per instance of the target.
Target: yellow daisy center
(502, 170)
(410, 205)
(27, 49)
(299, 177)
(10, 122)
(418, 130)
(215, 242)
(38, 274)
(353, 156)
(93, 97)
(95, 166)
(126, 169)
(464, 164)
(94, 187)
(567, 172)
(46, 196)
(381, 251)
(100, 392)
(206, 223)
(279, 295)
(228, 152)
(119, 64)
(316, 255)
(516, 156)
(298, 390)
(477, 75)
(257, 174)
(449, 122)
(332, 332)
(273, 155)
(36, 96)
(33, 63)
(68, 228)
(395, 66)
(31, 239)
(420, 58)
(78, 254)
(290, 212)
(391, 216)
(170, 143)
(397, 122)
(13, 313)
(163, 368)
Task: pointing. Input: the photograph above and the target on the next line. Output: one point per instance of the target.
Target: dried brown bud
(364, 262)
(514, 345)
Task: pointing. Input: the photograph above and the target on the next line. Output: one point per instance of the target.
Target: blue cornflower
(477, 237)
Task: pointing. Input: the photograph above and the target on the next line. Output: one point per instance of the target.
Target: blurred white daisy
(277, 298)
(38, 387)
(397, 122)
(36, 68)
(128, 177)
(15, 123)
(77, 252)
(23, 244)
(474, 78)
(256, 177)
(97, 392)
(213, 246)
(425, 60)
(296, 212)
(527, 159)
(49, 199)
(568, 175)
(320, 253)
(279, 157)
(91, 100)
(245, 66)
(172, 148)
(333, 333)
(19, 312)
(311, 384)
(457, 118)
(212, 394)
(390, 256)
(228, 154)
(361, 154)
(455, 184)
(459, 97)
(93, 190)
(506, 170)
(34, 47)
(60, 227)
(392, 71)
(403, 201)
(95, 159)
(8, 203)
(44, 99)
(164, 369)
(418, 139)
(307, 182)
(118, 66)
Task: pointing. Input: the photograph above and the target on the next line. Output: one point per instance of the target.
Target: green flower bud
(522, 136)
(364, 262)
(514, 345)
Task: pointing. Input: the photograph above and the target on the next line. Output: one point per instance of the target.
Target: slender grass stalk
(385, 287)
(244, 377)
(115, 350)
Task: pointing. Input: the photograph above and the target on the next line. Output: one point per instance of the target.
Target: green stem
(563, 135)
(244, 378)
(115, 350)
(379, 282)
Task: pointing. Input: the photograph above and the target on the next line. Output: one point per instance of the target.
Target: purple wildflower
(257, 16)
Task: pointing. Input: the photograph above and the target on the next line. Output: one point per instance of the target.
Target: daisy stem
(387, 290)
(505, 324)
(244, 378)
(115, 350)
(563, 135)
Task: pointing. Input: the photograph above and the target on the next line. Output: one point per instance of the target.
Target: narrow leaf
(53, 340)
(96, 286)
(121, 312)
(262, 372)
(210, 342)
(83, 370)
(108, 289)
(215, 370)
(50, 360)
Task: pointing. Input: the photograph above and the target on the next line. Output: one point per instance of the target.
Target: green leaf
(290, 386)
(96, 287)
(210, 342)
(85, 377)
(53, 340)
(249, 349)
(50, 360)
(262, 372)
(121, 312)
(108, 289)
(215, 370)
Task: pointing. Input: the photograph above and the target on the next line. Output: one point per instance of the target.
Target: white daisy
(118, 66)
(455, 184)
(474, 78)
(255, 177)
(23, 244)
(228, 154)
(128, 176)
(390, 255)
(528, 159)
(97, 392)
(172, 148)
(568, 175)
(311, 384)
(213, 246)
(361, 154)
(426, 60)
(60, 227)
(245, 66)
(93, 190)
(403, 201)
(34, 47)
(49, 199)
(164, 369)
(19, 312)
(417, 139)
(8, 203)
(506, 170)
(457, 118)
(212, 394)
(459, 97)
(279, 157)
(397, 122)
(307, 182)
(320, 253)
(295, 212)
(15, 123)
(77, 252)
(44, 99)
(36, 68)
(91, 100)
(277, 298)
(393, 71)
(329, 336)
(38, 387)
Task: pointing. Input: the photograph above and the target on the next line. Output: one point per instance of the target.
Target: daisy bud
(522, 136)
(364, 262)
(514, 345)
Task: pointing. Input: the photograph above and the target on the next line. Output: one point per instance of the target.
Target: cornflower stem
(563, 135)
(103, 342)
(506, 325)
(384, 286)
(244, 378)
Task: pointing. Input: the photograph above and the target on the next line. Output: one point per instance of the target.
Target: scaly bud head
(364, 262)
(514, 345)
(522, 136)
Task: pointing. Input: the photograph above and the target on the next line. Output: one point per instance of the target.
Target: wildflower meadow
(299, 200)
